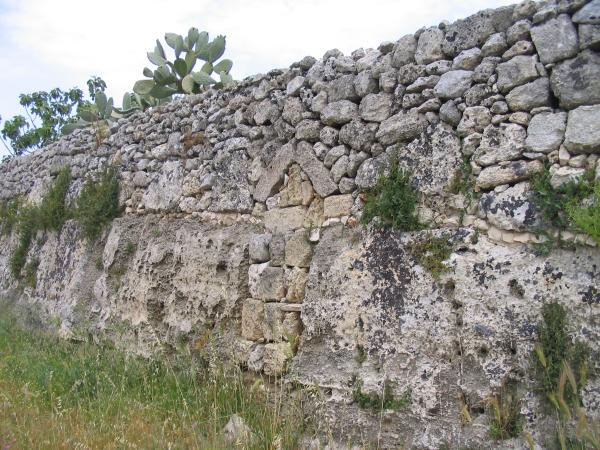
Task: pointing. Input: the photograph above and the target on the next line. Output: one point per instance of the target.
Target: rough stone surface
(453, 84)
(298, 251)
(339, 113)
(555, 39)
(511, 173)
(583, 130)
(510, 209)
(576, 82)
(545, 132)
(429, 47)
(375, 107)
(400, 128)
(517, 71)
(500, 143)
(530, 95)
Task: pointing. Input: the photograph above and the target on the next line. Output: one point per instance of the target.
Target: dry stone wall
(242, 208)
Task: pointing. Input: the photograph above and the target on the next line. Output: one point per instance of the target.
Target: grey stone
(589, 36)
(510, 173)
(282, 220)
(429, 47)
(298, 250)
(449, 113)
(477, 94)
(439, 67)
(293, 110)
(556, 39)
(375, 107)
(519, 31)
(370, 170)
(401, 127)
(530, 95)
(468, 33)
(266, 112)
(519, 48)
(510, 209)
(546, 132)
(277, 246)
(486, 69)
(339, 113)
(408, 73)
(412, 100)
(316, 171)
(576, 82)
(470, 143)
(495, 45)
(404, 51)
(258, 248)
(358, 135)
(388, 81)
(590, 13)
(583, 130)
(329, 136)
(166, 190)
(272, 177)
(422, 83)
(500, 143)
(338, 170)
(354, 162)
(342, 89)
(367, 60)
(293, 87)
(515, 72)
(308, 130)
(365, 83)
(334, 154)
(319, 102)
(453, 84)
(265, 282)
(474, 120)
(564, 174)
(467, 59)
(252, 319)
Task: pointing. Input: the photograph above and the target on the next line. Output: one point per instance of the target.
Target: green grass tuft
(98, 203)
(588, 218)
(431, 252)
(394, 201)
(377, 402)
(506, 420)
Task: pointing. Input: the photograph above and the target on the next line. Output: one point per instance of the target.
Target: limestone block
(576, 82)
(258, 248)
(511, 173)
(555, 39)
(337, 205)
(252, 319)
(583, 130)
(296, 281)
(280, 220)
(545, 132)
(265, 282)
(275, 358)
(298, 250)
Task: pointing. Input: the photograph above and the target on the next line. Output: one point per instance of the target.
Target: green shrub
(393, 200)
(28, 224)
(554, 202)
(431, 252)
(98, 203)
(9, 214)
(588, 219)
(376, 402)
(53, 211)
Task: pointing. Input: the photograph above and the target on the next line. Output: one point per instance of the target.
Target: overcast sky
(61, 43)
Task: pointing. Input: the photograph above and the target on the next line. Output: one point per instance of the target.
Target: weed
(31, 273)
(506, 420)
(431, 252)
(53, 211)
(588, 218)
(58, 394)
(361, 354)
(129, 249)
(377, 402)
(554, 348)
(9, 212)
(98, 203)
(561, 207)
(99, 263)
(393, 200)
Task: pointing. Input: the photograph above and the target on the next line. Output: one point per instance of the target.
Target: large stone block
(530, 95)
(545, 132)
(265, 282)
(252, 319)
(339, 113)
(519, 70)
(576, 82)
(505, 142)
(401, 127)
(298, 250)
(275, 358)
(314, 168)
(511, 173)
(281, 220)
(555, 39)
(453, 84)
(272, 177)
(296, 281)
(583, 130)
(337, 205)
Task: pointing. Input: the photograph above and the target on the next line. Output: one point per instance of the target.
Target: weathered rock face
(241, 221)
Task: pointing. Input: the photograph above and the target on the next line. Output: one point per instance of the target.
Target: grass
(9, 211)
(431, 252)
(563, 207)
(506, 420)
(98, 203)
(56, 394)
(376, 402)
(393, 201)
(555, 348)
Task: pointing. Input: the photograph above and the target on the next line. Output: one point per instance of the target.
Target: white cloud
(63, 42)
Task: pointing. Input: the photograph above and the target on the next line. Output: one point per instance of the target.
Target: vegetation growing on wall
(376, 402)
(97, 205)
(564, 207)
(393, 201)
(431, 252)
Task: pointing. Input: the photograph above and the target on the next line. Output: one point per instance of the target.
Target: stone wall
(242, 207)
